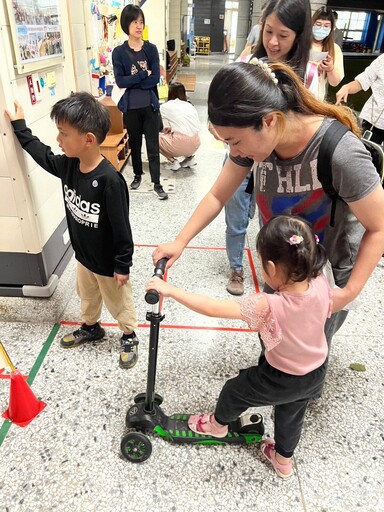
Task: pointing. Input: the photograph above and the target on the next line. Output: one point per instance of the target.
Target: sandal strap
(203, 420)
(268, 449)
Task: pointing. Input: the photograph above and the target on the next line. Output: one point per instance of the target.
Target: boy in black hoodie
(97, 205)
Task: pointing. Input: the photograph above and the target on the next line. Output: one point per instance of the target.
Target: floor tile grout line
(32, 374)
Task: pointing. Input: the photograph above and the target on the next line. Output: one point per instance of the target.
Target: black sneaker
(129, 351)
(81, 336)
(136, 182)
(159, 191)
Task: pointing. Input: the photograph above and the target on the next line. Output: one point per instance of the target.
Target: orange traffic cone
(23, 404)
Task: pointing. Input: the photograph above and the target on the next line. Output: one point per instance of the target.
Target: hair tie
(264, 66)
(295, 240)
(317, 239)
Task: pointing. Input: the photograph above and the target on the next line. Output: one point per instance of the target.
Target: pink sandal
(202, 424)
(269, 452)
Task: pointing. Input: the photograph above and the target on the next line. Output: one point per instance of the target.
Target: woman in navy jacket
(136, 68)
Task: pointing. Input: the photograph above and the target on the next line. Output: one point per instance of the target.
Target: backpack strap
(330, 140)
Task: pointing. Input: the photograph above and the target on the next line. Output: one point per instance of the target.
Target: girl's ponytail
(319, 261)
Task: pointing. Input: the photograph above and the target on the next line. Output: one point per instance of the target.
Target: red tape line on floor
(191, 327)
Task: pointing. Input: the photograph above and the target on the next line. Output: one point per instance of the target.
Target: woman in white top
(372, 113)
(331, 69)
(180, 136)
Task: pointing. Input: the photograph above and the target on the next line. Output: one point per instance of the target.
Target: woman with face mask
(330, 70)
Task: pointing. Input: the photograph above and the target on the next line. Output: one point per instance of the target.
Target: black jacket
(96, 205)
(122, 58)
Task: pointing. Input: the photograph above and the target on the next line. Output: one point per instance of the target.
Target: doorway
(230, 25)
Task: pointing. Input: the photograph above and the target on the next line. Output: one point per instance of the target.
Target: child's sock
(128, 337)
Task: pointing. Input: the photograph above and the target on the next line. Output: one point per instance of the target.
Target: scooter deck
(247, 430)
(177, 430)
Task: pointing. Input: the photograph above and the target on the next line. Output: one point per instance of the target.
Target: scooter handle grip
(160, 267)
(153, 296)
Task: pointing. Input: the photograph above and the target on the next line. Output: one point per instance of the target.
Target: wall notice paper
(51, 79)
(317, 56)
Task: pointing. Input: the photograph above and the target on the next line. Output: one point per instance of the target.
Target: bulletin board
(36, 34)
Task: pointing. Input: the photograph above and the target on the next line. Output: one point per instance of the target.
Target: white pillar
(242, 25)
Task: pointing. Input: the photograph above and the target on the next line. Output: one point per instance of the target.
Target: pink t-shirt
(292, 327)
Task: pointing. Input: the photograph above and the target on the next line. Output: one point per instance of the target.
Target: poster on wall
(36, 33)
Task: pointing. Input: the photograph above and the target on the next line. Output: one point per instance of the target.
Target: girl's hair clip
(264, 66)
(295, 240)
(317, 239)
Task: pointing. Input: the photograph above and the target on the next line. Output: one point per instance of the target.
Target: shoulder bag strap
(327, 147)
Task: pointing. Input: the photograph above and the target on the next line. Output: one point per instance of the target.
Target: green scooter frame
(146, 416)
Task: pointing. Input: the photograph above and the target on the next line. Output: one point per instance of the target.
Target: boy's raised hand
(19, 112)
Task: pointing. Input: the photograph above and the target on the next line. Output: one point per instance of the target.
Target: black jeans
(264, 385)
(139, 122)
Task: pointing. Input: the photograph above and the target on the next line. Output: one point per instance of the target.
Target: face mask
(320, 33)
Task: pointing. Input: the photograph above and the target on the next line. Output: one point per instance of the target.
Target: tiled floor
(68, 459)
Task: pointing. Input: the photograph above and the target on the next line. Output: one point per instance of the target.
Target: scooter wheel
(140, 398)
(136, 447)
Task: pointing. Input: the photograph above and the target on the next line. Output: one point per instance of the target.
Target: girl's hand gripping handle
(153, 296)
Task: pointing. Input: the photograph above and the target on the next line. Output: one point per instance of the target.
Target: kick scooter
(147, 417)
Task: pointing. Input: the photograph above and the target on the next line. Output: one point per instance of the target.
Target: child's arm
(40, 152)
(196, 302)
(19, 112)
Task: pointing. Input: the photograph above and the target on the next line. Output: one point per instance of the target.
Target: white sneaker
(188, 162)
(173, 166)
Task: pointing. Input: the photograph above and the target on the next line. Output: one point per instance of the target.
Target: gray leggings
(263, 385)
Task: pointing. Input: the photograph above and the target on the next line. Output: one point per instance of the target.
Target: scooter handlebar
(153, 296)
(160, 267)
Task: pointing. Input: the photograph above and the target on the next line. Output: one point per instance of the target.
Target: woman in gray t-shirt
(267, 117)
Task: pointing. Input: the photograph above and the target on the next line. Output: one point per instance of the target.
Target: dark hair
(296, 15)
(301, 261)
(83, 112)
(242, 94)
(128, 14)
(177, 90)
(335, 15)
(327, 44)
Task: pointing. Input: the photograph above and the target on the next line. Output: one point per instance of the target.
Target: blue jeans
(239, 209)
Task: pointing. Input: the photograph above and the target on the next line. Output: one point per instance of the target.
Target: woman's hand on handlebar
(171, 250)
(159, 285)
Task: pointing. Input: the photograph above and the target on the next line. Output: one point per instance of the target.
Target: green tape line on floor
(32, 374)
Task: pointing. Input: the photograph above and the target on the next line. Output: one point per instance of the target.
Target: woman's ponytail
(300, 100)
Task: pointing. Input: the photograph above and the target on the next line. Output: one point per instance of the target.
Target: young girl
(293, 364)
